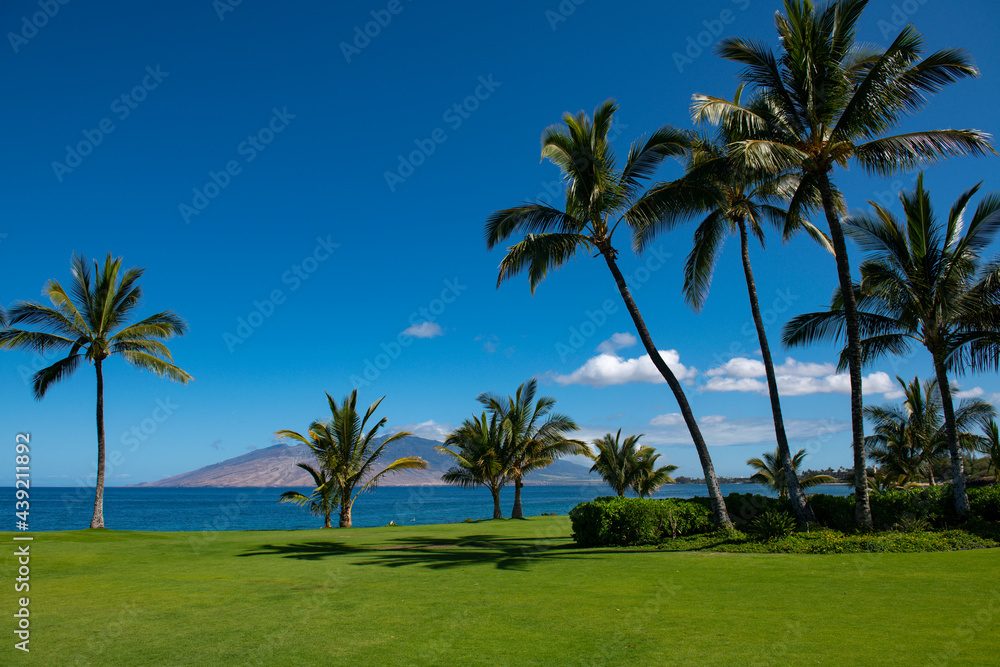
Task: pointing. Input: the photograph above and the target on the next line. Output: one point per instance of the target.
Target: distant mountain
(275, 466)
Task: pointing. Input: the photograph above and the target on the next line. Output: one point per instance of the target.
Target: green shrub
(984, 503)
(933, 504)
(835, 512)
(743, 508)
(614, 521)
(912, 524)
(772, 525)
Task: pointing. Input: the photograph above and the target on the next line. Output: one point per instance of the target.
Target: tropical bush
(984, 503)
(772, 525)
(615, 521)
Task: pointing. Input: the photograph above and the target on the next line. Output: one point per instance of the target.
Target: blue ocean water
(210, 509)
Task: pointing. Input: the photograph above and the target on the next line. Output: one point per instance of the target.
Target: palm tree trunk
(497, 512)
(326, 522)
(516, 513)
(957, 464)
(721, 516)
(345, 513)
(800, 505)
(98, 520)
(862, 507)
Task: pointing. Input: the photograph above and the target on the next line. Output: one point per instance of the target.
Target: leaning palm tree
(347, 453)
(480, 456)
(770, 472)
(989, 444)
(531, 443)
(599, 197)
(92, 322)
(734, 200)
(827, 101)
(322, 501)
(924, 283)
(650, 478)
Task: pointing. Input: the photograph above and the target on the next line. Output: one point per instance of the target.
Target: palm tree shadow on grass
(435, 553)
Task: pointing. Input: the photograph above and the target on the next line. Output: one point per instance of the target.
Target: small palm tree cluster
(512, 437)
(347, 455)
(910, 440)
(629, 465)
(770, 472)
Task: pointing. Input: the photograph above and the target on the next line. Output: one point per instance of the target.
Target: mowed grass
(488, 593)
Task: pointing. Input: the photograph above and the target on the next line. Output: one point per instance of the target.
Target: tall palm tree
(924, 283)
(909, 439)
(650, 478)
(828, 101)
(770, 472)
(480, 456)
(629, 465)
(530, 442)
(92, 322)
(348, 454)
(599, 197)
(734, 200)
(989, 444)
(322, 501)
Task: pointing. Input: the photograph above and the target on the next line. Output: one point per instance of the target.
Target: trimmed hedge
(612, 521)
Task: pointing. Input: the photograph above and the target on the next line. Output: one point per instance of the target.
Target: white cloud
(720, 431)
(794, 378)
(424, 330)
(975, 392)
(430, 429)
(610, 369)
(994, 399)
(618, 341)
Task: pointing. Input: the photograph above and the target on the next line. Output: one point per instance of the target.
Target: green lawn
(493, 592)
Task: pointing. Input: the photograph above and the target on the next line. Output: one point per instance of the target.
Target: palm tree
(531, 445)
(770, 472)
(827, 100)
(347, 454)
(480, 456)
(629, 465)
(92, 322)
(599, 197)
(923, 283)
(989, 445)
(650, 478)
(322, 501)
(909, 439)
(734, 199)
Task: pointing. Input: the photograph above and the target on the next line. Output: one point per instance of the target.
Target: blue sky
(311, 199)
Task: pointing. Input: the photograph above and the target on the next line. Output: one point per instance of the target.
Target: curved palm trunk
(345, 513)
(721, 515)
(862, 508)
(98, 520)
(800, 505)
(957, 463)
(517, 513)
(326, 517)
(497, 512)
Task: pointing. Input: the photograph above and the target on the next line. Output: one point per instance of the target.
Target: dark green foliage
(614, 521)
(984, 503)
(834, 511)
(932, 504)
(745, 507)
(772, 525)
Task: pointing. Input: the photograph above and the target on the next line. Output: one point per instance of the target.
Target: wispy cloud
(619, 341)
(424, 330)
(430, 429)
(794, 378)
(721, 431)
